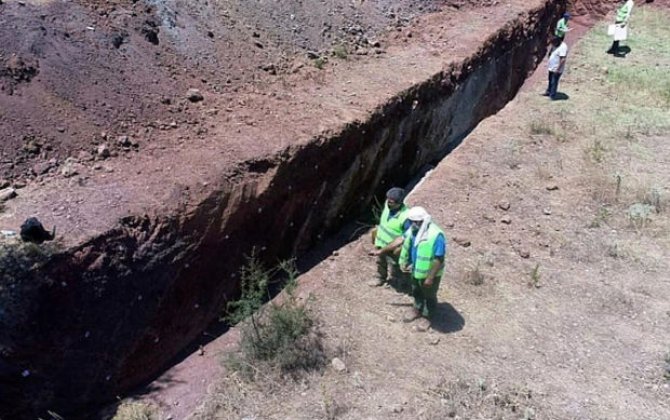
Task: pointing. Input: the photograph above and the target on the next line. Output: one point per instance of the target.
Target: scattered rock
(390, 318)
(489, 218)
(124, 141)
(546, 211)
(7, 194)
(60, 129)
(552, 187)
(506, 220)
(33, 231)
(462, 241)
(504, 205)
(32, 146)
(194, 95)
(70, 168)
(210, 34)
(434, 341)
(524, 253)
(397, 409)
(4, 184)
(85, 156)
(103, 151)
(19, 184)
(41, 168)
(259, 44)
(270, 68)
(313, 55)
(338, 365)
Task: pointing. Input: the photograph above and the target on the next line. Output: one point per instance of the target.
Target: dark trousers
(614, 49)
(552, 88)
(425, 298)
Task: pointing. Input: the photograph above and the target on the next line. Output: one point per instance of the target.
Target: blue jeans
(554, 77)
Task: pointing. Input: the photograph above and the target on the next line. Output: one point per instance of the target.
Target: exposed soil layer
(152, 238)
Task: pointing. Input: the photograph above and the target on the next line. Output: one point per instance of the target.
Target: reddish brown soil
(78, 74)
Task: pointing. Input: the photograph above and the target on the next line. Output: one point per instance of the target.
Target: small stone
(504, 205)
(194, 95)
(4, 184)
(434, 341)
(32, 147)
(69, 170)
(258, 44)
(552, 187)
(506, 220)
(489, 218)
(462, 241)
(390, 318)
(7, 194)
(397, 409)
(338, 365)
(524, 253)
(546, 211)
(313, 55)
(61, 129)
(103, 151)
(84, 156)
(41, 168)
(123, 141)
(19, 184)
(270, 68)
(201, 350)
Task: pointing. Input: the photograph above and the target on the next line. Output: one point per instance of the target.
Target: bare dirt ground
(554, 302)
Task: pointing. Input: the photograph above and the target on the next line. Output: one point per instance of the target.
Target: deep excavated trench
(141, 292)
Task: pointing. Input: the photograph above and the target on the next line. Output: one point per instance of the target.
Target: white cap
(417, 214)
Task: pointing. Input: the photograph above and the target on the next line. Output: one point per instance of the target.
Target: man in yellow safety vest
(387, 237)
(423, 252)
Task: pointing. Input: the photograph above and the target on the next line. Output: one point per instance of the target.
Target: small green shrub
(320, 62)
(535, 277)
(279, 336)
(340, 51)
(135, 410)
(540, 128)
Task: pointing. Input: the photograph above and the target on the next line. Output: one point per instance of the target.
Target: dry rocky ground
(554, 304)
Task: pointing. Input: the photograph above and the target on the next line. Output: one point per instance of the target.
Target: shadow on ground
(560, 96)
(448, 319)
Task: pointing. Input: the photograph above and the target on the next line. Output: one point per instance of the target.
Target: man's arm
(439, 251)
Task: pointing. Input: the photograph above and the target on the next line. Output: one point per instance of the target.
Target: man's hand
(406, 268)
(376, 252)
(428, 282)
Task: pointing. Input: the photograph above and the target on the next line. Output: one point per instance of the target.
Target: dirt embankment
(124, 297)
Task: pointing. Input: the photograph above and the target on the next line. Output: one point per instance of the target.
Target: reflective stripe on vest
(622, 13)
(390, 228)
(424, 254)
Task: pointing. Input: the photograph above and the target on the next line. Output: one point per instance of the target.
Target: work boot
(412, 315)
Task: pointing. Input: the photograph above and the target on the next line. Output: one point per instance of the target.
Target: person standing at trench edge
(562, 26)
(423, 252)
(387, 237)
(620, 32)
(556, 66)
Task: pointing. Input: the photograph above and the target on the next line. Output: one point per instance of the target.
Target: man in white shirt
(556, 65)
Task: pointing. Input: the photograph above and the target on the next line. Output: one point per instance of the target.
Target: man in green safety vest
(423, 252)
(620, 30)
(562, 26)
(387, 237)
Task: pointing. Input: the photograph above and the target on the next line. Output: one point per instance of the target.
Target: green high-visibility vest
(623, 13)
(561, 28)
(424, 253)
(390, 228)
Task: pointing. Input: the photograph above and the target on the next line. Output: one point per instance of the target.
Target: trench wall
(96, 320)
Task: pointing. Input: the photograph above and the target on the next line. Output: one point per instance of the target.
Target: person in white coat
(620, 32)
